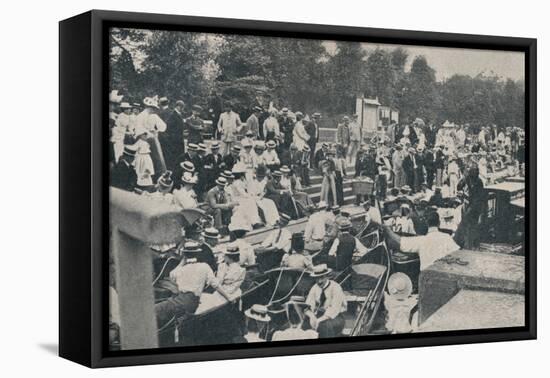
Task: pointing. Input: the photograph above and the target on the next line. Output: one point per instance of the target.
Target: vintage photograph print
(266, 189)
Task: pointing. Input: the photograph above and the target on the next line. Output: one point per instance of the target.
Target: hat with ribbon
(400, 286)
(320, 270)
(258, 312)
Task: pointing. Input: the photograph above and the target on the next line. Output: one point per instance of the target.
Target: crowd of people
(251, 174)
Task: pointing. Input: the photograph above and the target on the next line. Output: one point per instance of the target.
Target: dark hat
(165, 181)
(297, 236)
(261, 171)
(163, 100)
(335, 209)
(344, 225)
(129, 151)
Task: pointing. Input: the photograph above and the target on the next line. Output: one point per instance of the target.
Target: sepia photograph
(266, 189)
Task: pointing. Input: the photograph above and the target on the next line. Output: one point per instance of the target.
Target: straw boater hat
(316, 115)
(192, 147)
(187, 166)
(151, 102)
(221, 181)
(258, 312)
(259, 145)
(136, 105)
(400, 286)
(189, 178)
(125, 105)
(257, 108)
(293, 146)
(232, 250)
(129, 151)
(202, 147)
(277, 174)
(227, 175)
(211, 233)
(405, 189)
(306, 148)
(322, 205)
(325, 145)
(163, 100)
(320, 271)
(236, 148)
(246, 143)
(285, 110)
(344, 225)
(215, 145)
(191, 247)
(271, 144)
(284, 169)
(197, 108)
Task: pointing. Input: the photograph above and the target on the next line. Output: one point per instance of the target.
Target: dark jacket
(123, 176)
(172, 140)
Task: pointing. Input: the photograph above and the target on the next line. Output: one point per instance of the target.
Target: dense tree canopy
(304, 75)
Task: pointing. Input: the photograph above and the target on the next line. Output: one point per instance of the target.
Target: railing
(136, 223)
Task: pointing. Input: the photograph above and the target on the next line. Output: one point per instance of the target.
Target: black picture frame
(83, 196)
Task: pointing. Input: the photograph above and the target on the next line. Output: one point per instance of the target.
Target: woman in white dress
(143, 162)
(245, 214)
(185, 197)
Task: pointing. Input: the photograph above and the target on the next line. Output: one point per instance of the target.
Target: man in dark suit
(429, 164)
(320, 156)
(286, 125)
(212, 165)
(231, 159)
(172, 139)
(409, 167)
(123, 174)
(312, 128)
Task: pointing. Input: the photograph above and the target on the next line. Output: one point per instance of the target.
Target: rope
(162, 270)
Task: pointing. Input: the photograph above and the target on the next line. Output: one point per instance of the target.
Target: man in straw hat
(340, 254)
(123, 174)
(212, 165)
(294, 310)
(253, 123)
(327, 303)
(315, 230)
(190, 278)
(257, 321)
(219, 204)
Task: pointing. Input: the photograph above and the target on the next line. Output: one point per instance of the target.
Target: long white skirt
(245, 214)
(270, 210)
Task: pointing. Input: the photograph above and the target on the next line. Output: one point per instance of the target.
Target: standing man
(327, 304)
(312, 128)
(195, 125)
(229, 125)
(286, 126)
(355, 139)
(253, 124)
(164, 108)
(173, 144)
(212, 165)
(343, 134)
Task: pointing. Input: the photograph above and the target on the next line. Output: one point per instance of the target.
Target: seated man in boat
(298, 258)
(279, 194)
(300, 198)
(190, 277)
(230, 276)
(219, 204)
(315, 230)
(294, 310)
(257, 320)
(211, 254)
(430, 247)
(275, 245)
(327, 304)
